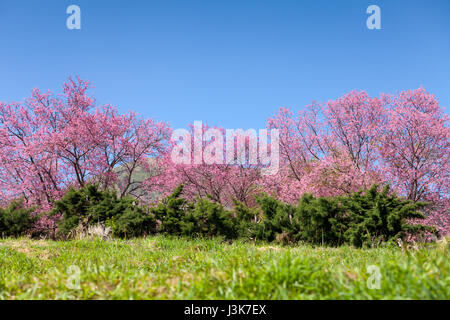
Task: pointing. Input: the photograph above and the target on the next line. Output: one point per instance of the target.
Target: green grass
(171, 268)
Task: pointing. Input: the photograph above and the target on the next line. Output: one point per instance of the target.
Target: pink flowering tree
(354, 141)
(415, 152)
(328, 149)
(51, 142)
(209, 171)
(416, 147)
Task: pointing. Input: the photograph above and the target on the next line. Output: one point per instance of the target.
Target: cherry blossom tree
(328, 149)
(416, 147)
(51, 142)
(416, 153)
(207, 172)
(354, 141)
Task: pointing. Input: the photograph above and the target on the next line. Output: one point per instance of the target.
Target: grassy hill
(171, 268)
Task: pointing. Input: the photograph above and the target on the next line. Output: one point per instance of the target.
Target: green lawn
(171, 268)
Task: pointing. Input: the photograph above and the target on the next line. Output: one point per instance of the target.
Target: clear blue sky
(228, 62)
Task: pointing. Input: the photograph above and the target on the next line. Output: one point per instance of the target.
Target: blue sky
(231, 63)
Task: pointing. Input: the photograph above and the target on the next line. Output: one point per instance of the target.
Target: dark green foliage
(77, 207)
(378, 217)
(16, 220)
(245, 220)
(171, 212)
(177, 216)
(358, 219)
(277, 220)
(90, 206)
(321, 220)
(209, 219)
(133, 222)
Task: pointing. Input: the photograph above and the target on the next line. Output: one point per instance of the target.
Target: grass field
(171, 268)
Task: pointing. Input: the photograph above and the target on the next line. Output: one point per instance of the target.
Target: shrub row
(16, 220)
(358, 219)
